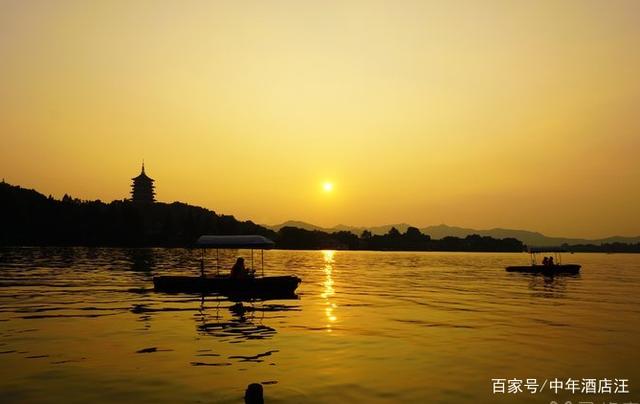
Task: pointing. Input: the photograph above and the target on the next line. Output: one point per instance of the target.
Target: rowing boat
(549, 267)
(248, 286)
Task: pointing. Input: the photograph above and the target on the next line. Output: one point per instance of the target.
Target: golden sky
(520, 114)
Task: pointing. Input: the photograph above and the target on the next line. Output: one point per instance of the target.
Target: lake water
(84, 325)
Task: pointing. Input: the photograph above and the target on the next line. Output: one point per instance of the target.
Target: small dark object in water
(255, 358)
(147, 350)
(6, 352)
(210, 364)
(153, 349)
(253, 395)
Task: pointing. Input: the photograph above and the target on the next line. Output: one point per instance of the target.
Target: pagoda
(142, 188)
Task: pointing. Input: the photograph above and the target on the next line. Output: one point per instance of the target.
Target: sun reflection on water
(328, 290)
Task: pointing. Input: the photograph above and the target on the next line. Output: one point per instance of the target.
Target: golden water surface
(79, 324)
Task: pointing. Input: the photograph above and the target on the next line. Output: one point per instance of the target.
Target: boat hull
(546, 269)
(261, 287)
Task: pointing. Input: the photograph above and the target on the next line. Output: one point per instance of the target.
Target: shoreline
(138, 247)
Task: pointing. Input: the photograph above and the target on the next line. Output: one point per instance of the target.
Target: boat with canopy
(250, 286)
(550, 267)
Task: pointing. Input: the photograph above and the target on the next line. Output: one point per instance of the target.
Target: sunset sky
(519, 114)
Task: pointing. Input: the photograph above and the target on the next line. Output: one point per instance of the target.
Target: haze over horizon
(420, 227)
(520, 116)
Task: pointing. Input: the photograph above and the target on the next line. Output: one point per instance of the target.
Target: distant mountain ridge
(402, 227)
(530, 238)
(30, 218)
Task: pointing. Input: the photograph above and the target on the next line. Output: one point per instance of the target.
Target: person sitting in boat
(550, 261)
(239, 271)
(545, 261)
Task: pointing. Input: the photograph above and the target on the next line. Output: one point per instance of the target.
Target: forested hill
(30, 218)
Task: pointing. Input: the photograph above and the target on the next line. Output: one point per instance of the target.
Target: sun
(327, 187)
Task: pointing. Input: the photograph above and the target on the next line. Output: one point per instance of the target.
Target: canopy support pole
(217, 262)
(202, 264)
(262, 259)
(252, 267)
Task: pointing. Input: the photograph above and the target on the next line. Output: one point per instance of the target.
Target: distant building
(142, 189)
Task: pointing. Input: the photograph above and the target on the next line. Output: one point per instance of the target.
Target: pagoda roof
(143, 176)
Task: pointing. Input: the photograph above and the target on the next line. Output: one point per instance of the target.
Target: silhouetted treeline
(605, 248)
(30, 218)
(293, 238)
(412, 240)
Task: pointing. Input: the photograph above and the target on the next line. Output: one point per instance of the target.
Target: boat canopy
(249, 242)
(534, 250)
